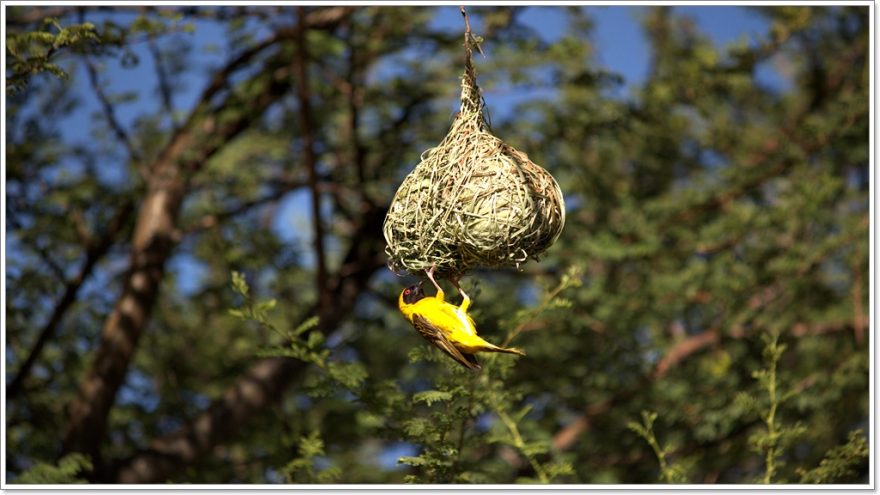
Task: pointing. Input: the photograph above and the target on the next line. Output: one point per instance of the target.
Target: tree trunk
(156, 228)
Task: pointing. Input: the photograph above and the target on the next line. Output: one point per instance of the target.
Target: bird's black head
(413, 294)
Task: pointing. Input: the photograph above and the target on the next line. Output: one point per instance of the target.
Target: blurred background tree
(703, 318)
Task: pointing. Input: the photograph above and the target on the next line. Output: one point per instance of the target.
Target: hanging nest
(473, 200)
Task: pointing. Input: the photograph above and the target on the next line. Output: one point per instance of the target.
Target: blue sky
(621, 45)
(620, 48)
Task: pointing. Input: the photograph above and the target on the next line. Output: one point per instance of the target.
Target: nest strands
(472, 200)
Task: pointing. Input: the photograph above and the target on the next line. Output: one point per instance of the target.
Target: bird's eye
(407, 291)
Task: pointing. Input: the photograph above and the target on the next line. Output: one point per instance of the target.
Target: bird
(448, 327)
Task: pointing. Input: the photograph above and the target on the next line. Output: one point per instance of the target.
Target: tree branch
(214, 219)
(311, 158)
(317, 19)
(859, 317)
(788, 133)
(565, 438)
(260, 386)
(94, 253)
(264, 383)
(110, 113)
(50, 262)
(164, 84)
(355, 102)
(685, 348)
(153, 239)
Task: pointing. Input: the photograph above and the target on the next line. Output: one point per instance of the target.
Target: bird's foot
(430, 274)
(466, 301)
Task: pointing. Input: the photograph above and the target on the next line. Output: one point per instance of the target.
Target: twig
(468, 37)
(355, 102)
(520, 444)
(566, 437)
(94, 253)
(858, 309)
(646, 431)
(164, 85)
(47, 258)
(82, 231)
(209, 127)
(308, 137)
(213, 219)
(772, 352)
(685, 348)
(220, 80)
(463, 426)
(534, 313)
(261, 385)
(110, 113)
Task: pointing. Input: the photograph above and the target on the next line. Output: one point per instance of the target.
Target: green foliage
(303, 469)
(771, 442)
(840, 462)
(304, 343)
(670, 473)
(431, 396)
(30, 53)
(68, 470)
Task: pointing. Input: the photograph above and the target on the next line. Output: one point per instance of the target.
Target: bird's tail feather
(508, 350)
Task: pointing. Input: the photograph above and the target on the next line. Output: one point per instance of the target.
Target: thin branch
(355, 101)
(263, 384)
(821, 328)
(82, 230)
(469, 38)
(47, 258)
(164, 85)
(534, 313)
(318, 19)
(307, 125)
(110, 113)
(566, 437)
(462, 427)
(685, 348)
(95, 252)
(859, 320)
(213, 219)
(153, 241)
(203, 134)
(520, 444)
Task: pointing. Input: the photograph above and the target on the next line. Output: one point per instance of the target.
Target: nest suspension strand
(473, 200)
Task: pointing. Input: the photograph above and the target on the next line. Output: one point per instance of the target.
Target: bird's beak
(421, 283)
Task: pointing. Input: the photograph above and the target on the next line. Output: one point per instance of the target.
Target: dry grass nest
(472, 201)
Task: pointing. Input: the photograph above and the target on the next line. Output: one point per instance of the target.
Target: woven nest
(472, 201)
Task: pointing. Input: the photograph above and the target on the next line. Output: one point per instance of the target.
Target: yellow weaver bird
(447, 326)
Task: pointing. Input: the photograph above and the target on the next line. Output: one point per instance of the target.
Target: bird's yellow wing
(436, 336)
